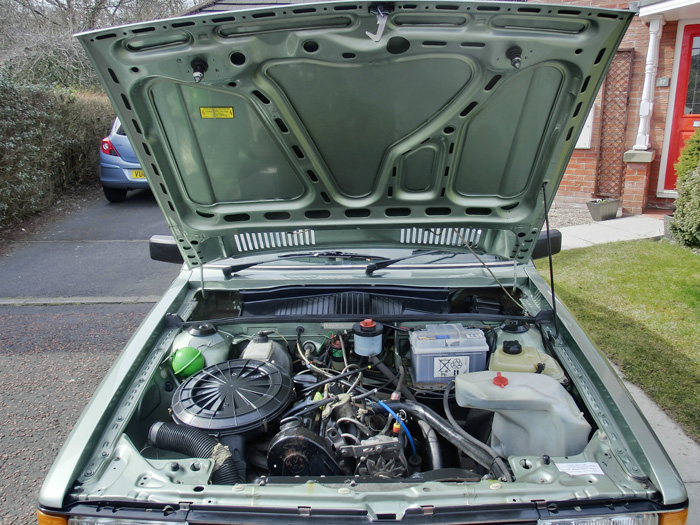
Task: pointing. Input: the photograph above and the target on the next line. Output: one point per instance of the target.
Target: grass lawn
(640, 303)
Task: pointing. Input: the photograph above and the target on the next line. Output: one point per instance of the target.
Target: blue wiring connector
(403, 425)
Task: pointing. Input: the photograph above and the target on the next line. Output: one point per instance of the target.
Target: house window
(692, 98)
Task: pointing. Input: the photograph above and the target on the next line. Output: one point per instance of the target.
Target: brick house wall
(578, 185)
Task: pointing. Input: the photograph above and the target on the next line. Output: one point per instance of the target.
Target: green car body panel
(323, 164)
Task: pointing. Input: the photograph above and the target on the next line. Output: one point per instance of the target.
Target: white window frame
(660, 191)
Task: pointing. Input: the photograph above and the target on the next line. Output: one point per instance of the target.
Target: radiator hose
(482, 454)
(198, 444)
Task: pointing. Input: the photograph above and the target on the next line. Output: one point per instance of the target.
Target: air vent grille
(441, 236)
(246, 242)
(345, 303)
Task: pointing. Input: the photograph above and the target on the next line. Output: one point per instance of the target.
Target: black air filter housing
(236, 397)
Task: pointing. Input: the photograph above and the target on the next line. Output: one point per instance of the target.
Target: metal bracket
(173, 320)
(540, 504)
(371, 447)
(382, 18)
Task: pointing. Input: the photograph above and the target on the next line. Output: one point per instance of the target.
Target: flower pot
(603, 209)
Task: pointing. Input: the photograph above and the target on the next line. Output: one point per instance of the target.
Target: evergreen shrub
(49, 142)
(686, 219)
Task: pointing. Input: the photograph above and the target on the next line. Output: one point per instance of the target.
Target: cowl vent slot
(350, 303)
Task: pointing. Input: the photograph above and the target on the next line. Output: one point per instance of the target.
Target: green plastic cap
(187, 361)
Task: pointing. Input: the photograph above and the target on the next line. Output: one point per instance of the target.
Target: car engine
(368, 399)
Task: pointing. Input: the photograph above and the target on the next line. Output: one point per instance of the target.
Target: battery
(443, 351)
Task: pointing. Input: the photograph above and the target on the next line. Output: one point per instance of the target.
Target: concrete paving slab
(639, 225)
(694, 512)
(53, 301)
(622, 229)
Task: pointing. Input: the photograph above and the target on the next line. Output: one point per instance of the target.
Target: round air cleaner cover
(233, 397)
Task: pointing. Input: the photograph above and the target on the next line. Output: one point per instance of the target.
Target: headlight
(669, 518)
(626, 519)
(52, 519)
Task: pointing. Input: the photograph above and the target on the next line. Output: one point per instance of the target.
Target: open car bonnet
(319, 125)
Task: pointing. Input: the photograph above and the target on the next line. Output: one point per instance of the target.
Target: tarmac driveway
(71, 295)
(101, 253)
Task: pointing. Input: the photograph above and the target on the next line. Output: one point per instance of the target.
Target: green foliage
(49, 142)
(640, 303)
(686, 219)
(689, 158)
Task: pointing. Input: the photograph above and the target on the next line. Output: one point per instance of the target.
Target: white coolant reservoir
(207, 339)
(511, 356)
(534, 414)
(262, 348)
(516, 330)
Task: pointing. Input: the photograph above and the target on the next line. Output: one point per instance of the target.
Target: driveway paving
(72, 294)
(101, 252)
(51, 361)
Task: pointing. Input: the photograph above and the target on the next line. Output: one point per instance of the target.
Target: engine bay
(369, 385)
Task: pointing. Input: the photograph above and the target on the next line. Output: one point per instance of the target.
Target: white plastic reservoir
(516, 358)
(207, 339)
(534, 414)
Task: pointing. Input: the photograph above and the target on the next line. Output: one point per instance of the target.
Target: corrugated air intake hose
(198, 444)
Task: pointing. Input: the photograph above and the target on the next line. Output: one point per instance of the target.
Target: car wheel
(114, 194)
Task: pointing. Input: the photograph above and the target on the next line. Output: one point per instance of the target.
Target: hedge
(686, 219)
(49, 142)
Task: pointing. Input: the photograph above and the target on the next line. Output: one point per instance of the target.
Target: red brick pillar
(636, 181)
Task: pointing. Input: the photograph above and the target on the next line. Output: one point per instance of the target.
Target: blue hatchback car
(120, 170)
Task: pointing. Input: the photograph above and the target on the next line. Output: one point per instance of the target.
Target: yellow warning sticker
(216, 112)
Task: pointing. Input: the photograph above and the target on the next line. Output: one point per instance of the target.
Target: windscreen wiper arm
(235, 268)
(373, 267)
(229, 271)
(331, 255)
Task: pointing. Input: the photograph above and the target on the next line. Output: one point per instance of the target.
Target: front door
(686, 113)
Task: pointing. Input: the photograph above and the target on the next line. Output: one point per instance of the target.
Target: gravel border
(569, 216)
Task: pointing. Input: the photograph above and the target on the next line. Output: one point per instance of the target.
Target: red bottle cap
(499, 380)
(368, 323)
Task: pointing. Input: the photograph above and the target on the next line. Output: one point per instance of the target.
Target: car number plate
(138, 174)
